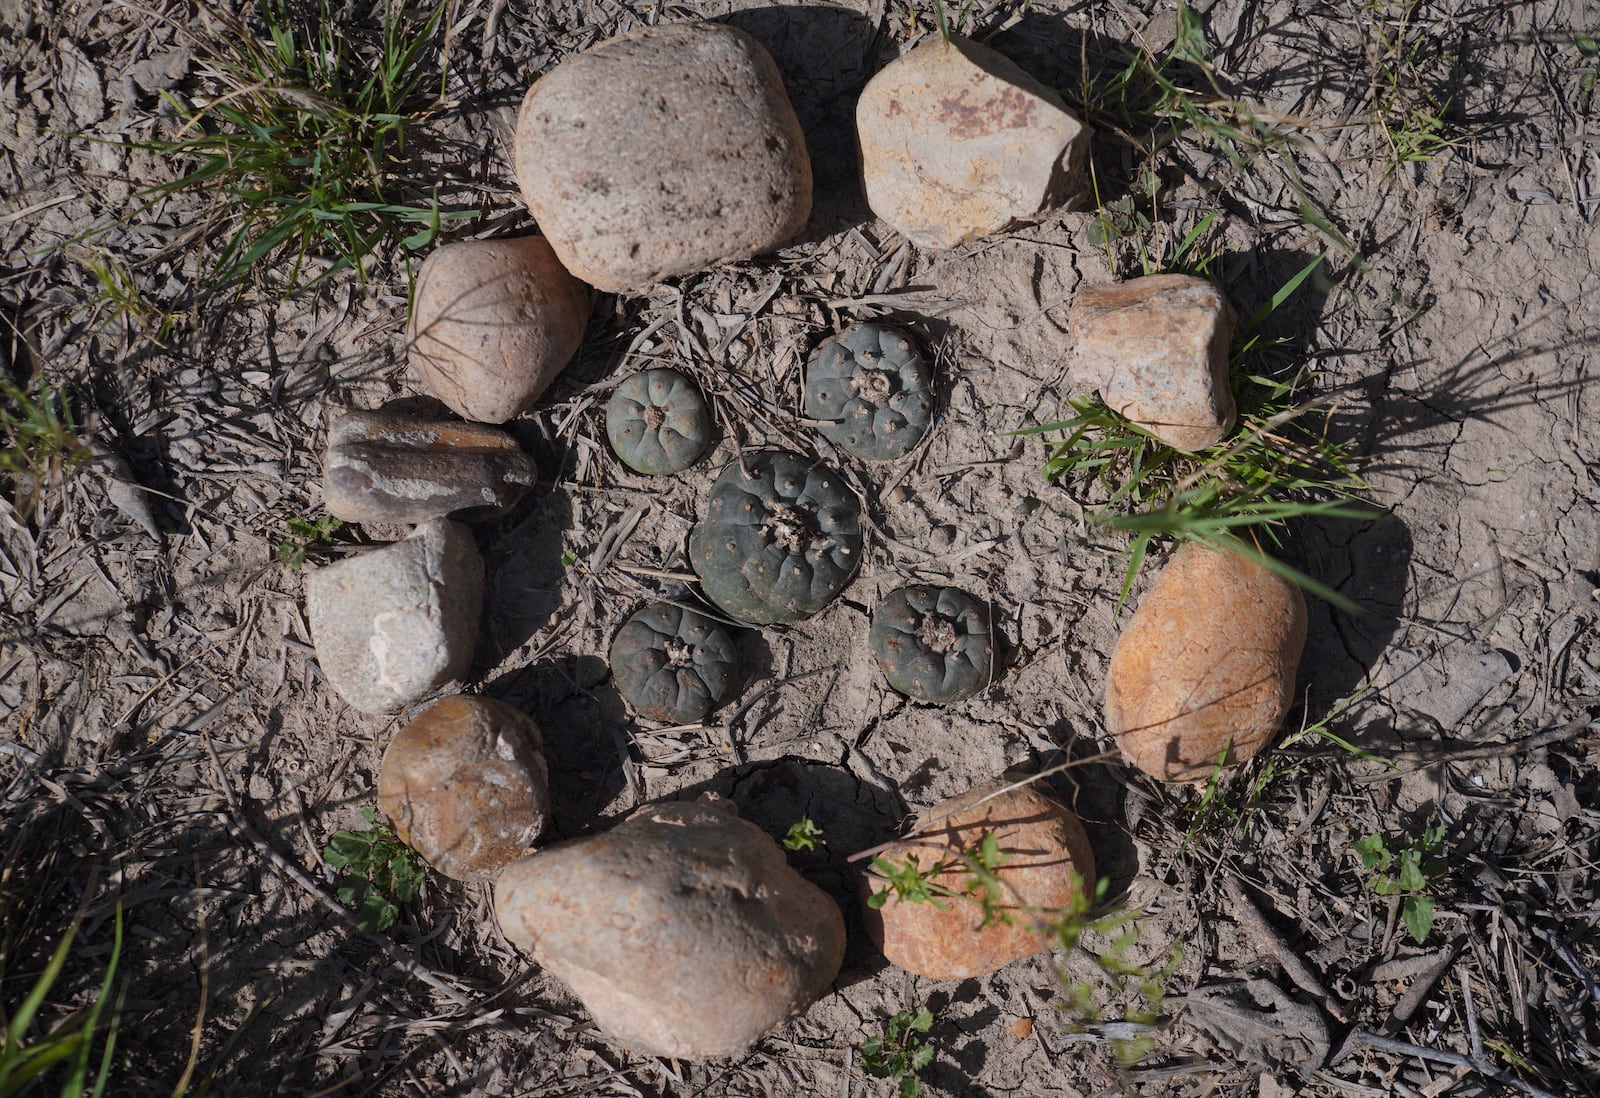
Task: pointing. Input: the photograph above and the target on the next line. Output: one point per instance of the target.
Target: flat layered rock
(493, 322)
(1204, 673)
(958, 143)
(683, 929)
(402, 468)
(663, 153)
(1157, 348)
(391, 625)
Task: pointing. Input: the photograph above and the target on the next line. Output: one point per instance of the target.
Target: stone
(684, 930)
(1204, 672)
(1048, 866)
(1156, 348)
(466, 786)
(662, 153)
(493, 322)
(388, 466)
(391, 625)
(957, 143)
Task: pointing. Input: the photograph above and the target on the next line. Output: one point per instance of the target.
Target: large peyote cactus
(780, 538)
(673, 664)
(874, 390)
(657, 422)
(935, 644)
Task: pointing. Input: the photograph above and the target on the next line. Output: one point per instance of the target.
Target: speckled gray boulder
(1156, 348)
(662, 153)
(392, 624)
(957, 143)
(397, 467)
(683, 929)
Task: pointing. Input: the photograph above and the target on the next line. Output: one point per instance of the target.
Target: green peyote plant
(935, 644)
(657, 422)
(673, 664)
(873, 389)
(780, 539)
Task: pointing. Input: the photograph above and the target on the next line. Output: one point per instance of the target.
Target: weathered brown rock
(1206, 666)
(662, 153)
(387, 466)
(493, 322)
(1157, 350)
(684, 930)
(1048, 860)
(391, 625)
(957, 143)
(466, 786)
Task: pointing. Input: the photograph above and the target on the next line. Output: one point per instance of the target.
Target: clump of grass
(301, 152)
(38, 438)
(1410, 118)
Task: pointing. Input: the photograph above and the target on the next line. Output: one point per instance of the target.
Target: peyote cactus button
(657, 422)
(876, 389)
(780, 538)
(935, 644)
(673, 664)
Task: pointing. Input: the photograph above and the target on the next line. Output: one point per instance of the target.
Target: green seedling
(379, 873)
(803, 836)
(302, 153)
(38, 438)
(901, 1051)
(1406, 870)
(910, 883)
(1588, 49)
(304, 536)
(1141, 986)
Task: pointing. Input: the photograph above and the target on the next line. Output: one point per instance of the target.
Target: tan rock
(1047, 861)
(389, 466)
(466, 786)
(1156, 348)
(1206, 666)
(684, 930)
(493, 322)
(662, 153)
(957, 143)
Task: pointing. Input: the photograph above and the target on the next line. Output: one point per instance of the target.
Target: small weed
(118, 301)
(1588, 49)
(803, 836)
(304, 536)
(1409, 117)
(902, 1050)
(1406, 868)
(38, 437)
(379, 873)
(911, 883)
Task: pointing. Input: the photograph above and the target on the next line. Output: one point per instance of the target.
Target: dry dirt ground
(168, 744)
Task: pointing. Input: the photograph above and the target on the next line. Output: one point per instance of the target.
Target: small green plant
(1588, 49)
(1407, 869)
(379, 873)
(305, 535)
(38, 437)
(901, 1051)
(911, 883)
(302, 150)
(1408, 116)
(803, 836)
(119, 301)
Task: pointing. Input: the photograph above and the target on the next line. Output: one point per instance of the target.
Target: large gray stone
(397, 467)
(662, 153)
(1157, 350)
(683, 929)
(392, 624)
(957, 143)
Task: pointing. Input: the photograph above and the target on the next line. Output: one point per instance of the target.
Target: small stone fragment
(658, 422)
(1045, 862)
(493, 322)
(466, 786)
(934, 644)
(1204, 672)
(1156, 348)
(957, 142)
(388, 466)
(392, 624)
(874, 390)
(673, 664)
(662, 153)
(684, 930)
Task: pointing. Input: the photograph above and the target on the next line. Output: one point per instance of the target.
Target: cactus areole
(780, 538)
(872, 389)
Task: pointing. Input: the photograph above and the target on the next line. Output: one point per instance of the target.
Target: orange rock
(1047, 861)
(1206, 666)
